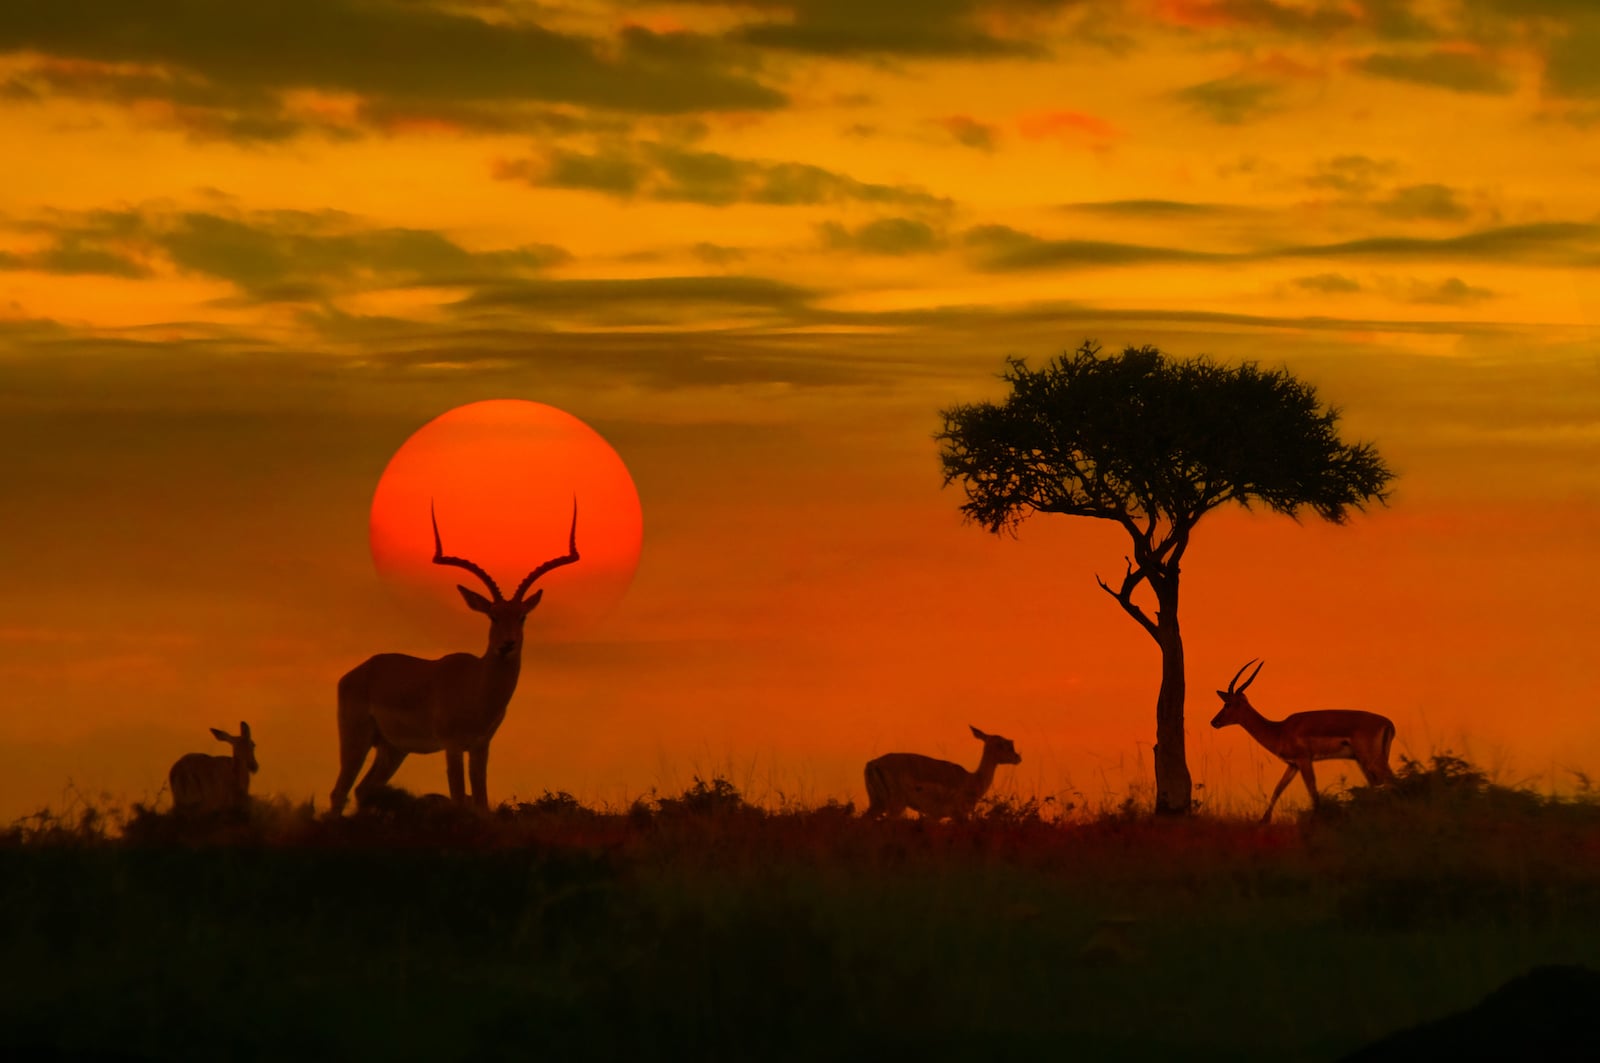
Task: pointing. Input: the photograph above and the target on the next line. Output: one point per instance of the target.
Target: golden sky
(247, 249)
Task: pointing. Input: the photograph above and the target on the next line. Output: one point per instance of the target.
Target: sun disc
(501, 476)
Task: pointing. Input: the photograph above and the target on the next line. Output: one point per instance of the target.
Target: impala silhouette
(399, 704)
(934, 788)
(1306, 737)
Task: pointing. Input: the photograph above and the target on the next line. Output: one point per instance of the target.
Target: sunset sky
(247, 248)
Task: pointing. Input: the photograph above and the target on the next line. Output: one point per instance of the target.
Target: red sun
(501, 476)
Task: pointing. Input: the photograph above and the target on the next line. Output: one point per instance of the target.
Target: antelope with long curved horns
(1305, 737)
(399, 704)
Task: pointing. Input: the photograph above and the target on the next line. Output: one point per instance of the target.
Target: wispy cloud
(268, 255)
(1232, 100)
(1434, 202)
(1456, 71)
(885, 236)
(968, 131)
(668, 172)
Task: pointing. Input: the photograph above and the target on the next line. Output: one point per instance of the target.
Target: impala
(1306, 737)
(399, 704)
(204, 783)
(934, 788)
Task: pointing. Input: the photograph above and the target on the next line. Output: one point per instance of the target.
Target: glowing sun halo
(502, 476)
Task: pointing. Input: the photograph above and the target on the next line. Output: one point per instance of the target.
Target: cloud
(1457, 71)
(885, 236)
(1316, 19)
(1551, 243)
(1572, 64)
(717, 254)
(238, 59)
(1352, 175)
(1073, 128)
(1433, 202)
(1153, 208)
(670, 173)
(1328, 283)
(272, 255)
(1231, 100)
(969, 132)
(1453, 291)
(1002, 249)
(639, 300)
(908, 29)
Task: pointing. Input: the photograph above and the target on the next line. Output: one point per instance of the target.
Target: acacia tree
(1154, 444)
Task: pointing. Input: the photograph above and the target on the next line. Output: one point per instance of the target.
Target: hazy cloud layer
(268, 255)
(388, 49)
(1000, 248)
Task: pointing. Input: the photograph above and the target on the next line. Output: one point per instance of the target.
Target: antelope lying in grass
(203, 783)
(934, 788)
(1305, 737)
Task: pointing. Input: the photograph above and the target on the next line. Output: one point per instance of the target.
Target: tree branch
(1124, 597)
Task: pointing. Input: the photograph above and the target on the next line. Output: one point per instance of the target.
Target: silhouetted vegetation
(704, 921)
(1154, 444)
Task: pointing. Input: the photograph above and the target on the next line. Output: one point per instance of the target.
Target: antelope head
(244, 748)
(1236, 708)
(1000, 750)
(506, 615)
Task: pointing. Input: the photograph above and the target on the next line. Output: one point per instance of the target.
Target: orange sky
(245, 253)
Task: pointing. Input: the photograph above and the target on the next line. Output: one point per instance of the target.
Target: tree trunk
(1173, 786)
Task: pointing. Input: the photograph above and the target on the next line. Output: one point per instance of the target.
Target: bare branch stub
(556, 562)
(439, 558)
(1124, 597)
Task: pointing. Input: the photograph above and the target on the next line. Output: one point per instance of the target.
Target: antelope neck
(1258, 726)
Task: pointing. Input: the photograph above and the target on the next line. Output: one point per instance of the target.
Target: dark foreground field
(698, 924)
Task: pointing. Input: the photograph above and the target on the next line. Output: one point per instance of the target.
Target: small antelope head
(1236, 708)
(506, 615)
(1000, 750)
(244, 748)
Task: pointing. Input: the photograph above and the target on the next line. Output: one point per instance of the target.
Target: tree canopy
(1154, 443)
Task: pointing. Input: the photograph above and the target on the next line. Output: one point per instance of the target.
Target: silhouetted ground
(698, 923)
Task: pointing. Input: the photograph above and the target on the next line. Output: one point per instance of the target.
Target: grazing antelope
(203, 783)
(1305, 737)
(935, 788)
(401, 704)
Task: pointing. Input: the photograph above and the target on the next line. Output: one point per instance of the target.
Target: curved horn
(1252, 678)
(556, 562)
(1240, 672)
(439, 558)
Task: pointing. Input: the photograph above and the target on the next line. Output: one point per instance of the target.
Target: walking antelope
(1305, 737)
(935, 788)
(401, 704)
(203, 783)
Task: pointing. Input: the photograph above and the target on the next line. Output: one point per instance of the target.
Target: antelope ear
(475, 601)
(244, 729)
(532, 601)
(1223, 694)
(222, 736)
(979, 735)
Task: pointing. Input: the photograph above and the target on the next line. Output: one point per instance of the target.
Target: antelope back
(201, 782)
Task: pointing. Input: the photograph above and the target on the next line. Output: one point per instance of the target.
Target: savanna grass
(699, 921)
